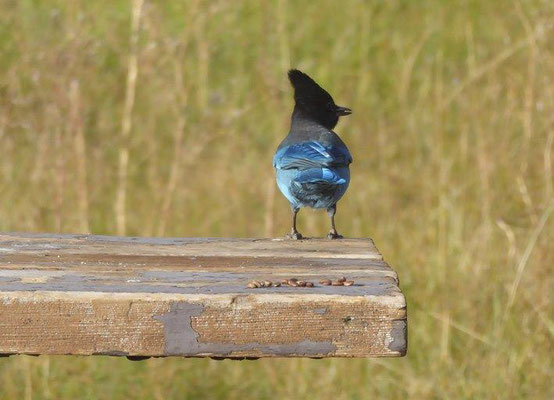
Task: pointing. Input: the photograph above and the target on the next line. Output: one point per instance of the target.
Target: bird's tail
(318, 187)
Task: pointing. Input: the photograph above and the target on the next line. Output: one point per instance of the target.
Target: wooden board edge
(190, 326)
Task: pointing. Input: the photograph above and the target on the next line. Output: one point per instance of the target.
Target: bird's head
(314, 102)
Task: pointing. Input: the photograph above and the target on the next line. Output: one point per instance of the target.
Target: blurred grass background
(161, 118)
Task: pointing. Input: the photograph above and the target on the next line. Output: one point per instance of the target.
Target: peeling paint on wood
(399, 335)
(182, 339)
(140, 297)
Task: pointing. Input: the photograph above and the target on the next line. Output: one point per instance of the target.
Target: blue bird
(312, 162)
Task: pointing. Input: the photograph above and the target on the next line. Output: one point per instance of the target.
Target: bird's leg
(294, 234)
(333, 234)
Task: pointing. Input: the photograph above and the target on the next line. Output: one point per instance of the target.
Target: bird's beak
(341, 111)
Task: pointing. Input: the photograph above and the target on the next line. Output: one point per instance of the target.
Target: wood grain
(86, 294)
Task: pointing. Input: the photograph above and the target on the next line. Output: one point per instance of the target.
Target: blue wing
(311, 154)
(319, 175)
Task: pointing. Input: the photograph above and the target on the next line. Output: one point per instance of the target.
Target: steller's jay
(312, 162)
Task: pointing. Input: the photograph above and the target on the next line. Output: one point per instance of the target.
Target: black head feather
(313, 102)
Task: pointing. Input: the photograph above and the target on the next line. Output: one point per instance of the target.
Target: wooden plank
(86, 294)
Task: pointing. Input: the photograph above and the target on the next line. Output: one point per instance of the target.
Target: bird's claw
(334, 235)
(294, 236)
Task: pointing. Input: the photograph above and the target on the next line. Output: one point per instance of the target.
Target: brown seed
(302, 283)
(293, 283)
(293, 280)
(267, 283)
(325, 282)
(252, 285)
(257, 284)
(309, 284)
(285, 281)
(348, 283)
(342, 279)
(337, 283)
(276, 284)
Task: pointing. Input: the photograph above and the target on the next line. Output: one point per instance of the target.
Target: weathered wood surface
(85, 294)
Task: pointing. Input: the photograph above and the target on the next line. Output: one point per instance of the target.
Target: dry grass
(452, 136)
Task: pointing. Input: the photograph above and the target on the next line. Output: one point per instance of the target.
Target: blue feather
(322, 175)
(311, 154)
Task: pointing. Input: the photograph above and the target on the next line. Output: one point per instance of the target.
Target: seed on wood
(285, 281)
(252, 285)
(276, 284)
(338, 283)
(267, 283)
(257, 284)
(348, 283)
(293, 283)
(325, 282)
(301, 283)
(342, 279)
(293, 280)
(309, 284)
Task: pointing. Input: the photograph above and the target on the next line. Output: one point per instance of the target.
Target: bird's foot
(333, 235)
(294, 235)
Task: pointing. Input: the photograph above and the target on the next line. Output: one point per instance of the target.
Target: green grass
(452, 137)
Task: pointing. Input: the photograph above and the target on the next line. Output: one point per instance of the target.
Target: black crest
(307, 90)
(313, 102)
